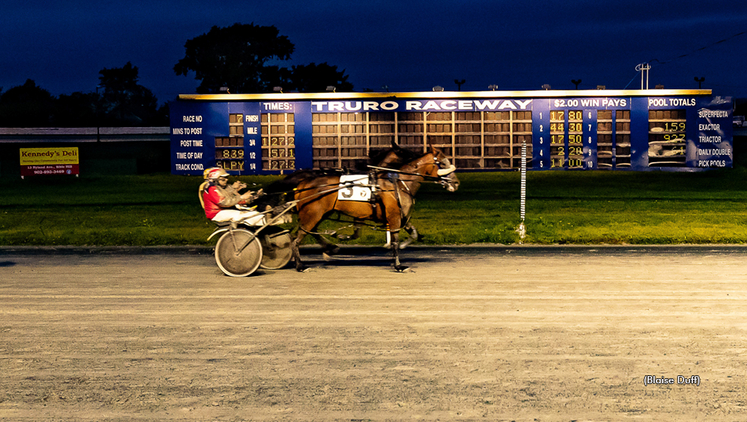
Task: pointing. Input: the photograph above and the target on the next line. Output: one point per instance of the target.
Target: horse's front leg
(308, 224)
(410, 229)
(395, 250)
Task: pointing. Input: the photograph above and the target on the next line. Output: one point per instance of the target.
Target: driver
(218, 199)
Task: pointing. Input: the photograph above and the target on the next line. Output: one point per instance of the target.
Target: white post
(522, 229)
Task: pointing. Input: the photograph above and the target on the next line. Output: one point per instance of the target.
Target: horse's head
(434, 165)
(446, 171)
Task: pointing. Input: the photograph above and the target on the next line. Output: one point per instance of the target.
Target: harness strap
(338, 185)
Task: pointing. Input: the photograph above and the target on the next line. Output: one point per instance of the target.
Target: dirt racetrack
(520, 333)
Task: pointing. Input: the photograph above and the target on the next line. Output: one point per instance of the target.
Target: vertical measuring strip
(522, 229)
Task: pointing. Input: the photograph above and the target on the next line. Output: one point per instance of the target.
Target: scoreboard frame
(673, 130)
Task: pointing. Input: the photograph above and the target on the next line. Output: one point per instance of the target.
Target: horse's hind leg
(308, 222)
(327, 246)
(300, 267)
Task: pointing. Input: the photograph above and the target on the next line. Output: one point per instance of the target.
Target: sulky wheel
(238, 253)
(276, 250)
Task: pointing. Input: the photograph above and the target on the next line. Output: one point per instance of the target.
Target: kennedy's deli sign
(43, 161)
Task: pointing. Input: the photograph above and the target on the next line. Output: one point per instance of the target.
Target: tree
(26, 105)
(235, 57)
(316, 78)
(77, 110)
(118, 101)
(124, 101)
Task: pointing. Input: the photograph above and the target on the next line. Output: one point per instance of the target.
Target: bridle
(444, 176)
(441, 173)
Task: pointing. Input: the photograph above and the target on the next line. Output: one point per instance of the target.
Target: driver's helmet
(214, 173)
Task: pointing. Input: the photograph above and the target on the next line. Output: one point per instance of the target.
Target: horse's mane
(404, 155)
(392, 157)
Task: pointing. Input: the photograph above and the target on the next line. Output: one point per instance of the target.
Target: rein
(336, 187)
(343, 185)
(434, 179)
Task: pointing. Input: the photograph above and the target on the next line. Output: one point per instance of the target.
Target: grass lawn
(563, 207)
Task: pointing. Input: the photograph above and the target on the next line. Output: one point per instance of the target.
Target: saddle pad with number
(354, 187)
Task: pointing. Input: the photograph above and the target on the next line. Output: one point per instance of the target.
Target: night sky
(401, 44)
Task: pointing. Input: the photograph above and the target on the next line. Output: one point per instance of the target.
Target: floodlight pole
(643, 68)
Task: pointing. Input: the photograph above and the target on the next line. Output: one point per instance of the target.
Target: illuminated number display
(575, 139)
(229, 151)
(228, 154)
(557, 138)
(278, 142)
(567, 139)
(667, 142)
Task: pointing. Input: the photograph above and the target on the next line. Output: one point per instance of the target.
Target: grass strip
(563, 207)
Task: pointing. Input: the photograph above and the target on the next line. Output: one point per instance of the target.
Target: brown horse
(317, 198)
(393, 158)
